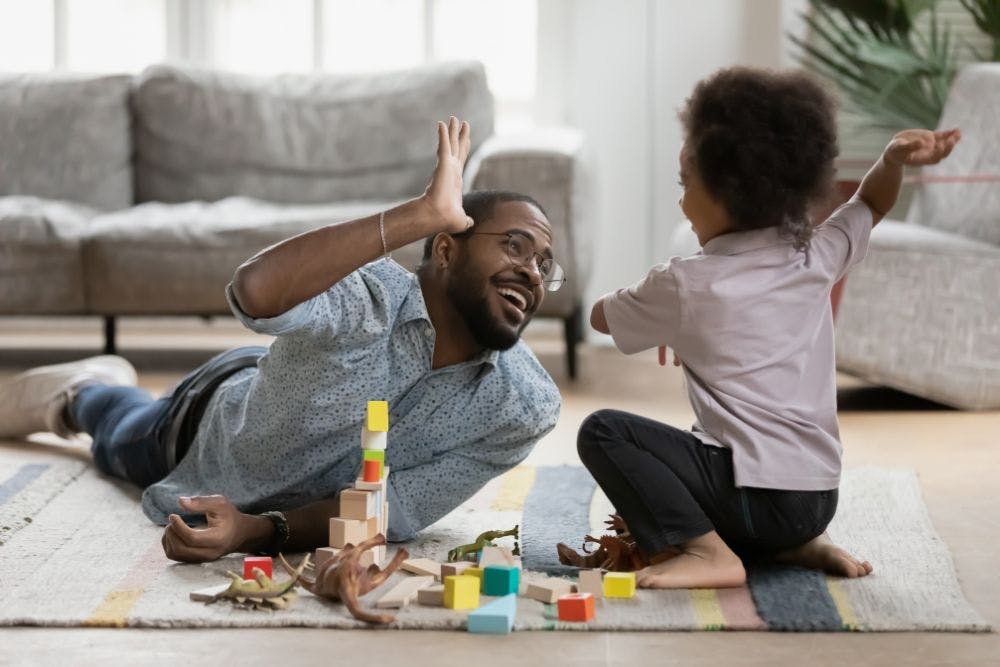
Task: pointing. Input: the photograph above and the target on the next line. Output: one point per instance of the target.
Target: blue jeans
(135, 436)
(125, 423)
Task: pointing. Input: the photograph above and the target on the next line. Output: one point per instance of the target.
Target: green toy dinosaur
(484, 540)
(261, 592)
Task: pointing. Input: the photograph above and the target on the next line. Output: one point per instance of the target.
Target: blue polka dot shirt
(288, 432)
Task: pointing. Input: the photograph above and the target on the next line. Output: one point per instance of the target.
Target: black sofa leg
(109, 335)
(573, 331)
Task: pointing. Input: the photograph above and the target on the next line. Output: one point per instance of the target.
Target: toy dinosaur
(617, 553)
(261, 592)
(484, 540)
(342, 577)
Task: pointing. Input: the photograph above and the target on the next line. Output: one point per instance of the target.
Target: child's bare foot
(704, 562)
(820, 553)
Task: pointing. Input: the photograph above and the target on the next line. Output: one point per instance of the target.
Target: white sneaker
(36, 399)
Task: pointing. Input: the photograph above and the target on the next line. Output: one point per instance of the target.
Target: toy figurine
(484, 540)
(616, 553)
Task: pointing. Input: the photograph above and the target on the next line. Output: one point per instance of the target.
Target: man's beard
(471, 303)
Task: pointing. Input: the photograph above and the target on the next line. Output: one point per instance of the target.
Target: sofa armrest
(548, 164)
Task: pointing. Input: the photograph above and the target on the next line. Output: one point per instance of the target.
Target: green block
(374, 455)
(501, 580)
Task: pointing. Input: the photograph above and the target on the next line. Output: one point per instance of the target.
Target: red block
(371, 471)
(250, 562)
(576, 607)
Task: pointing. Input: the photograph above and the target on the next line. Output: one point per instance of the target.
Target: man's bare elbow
(247, 293)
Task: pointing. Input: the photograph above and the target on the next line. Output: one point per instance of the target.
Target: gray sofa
(140, 196)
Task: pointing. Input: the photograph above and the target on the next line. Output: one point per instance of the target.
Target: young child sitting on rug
(749, 318)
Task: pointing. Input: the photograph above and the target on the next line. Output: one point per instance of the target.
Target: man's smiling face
(495, 296)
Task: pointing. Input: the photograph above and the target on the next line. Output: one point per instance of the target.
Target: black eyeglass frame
(551, 284)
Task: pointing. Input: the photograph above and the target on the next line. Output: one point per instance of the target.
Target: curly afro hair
(763, 143)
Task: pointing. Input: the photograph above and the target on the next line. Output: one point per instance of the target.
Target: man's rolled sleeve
(647, 314)
(291, 320)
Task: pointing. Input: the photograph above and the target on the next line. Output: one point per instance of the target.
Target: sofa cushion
(41, 271)
(298, 138)
(178, 258)
(955, 202)
(66, 137)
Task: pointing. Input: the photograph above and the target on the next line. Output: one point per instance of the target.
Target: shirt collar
(415, 308)
(735, 243)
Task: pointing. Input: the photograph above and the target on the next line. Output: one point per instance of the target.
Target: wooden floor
(957, 456)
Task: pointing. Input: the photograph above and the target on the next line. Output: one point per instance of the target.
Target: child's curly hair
(763, 143)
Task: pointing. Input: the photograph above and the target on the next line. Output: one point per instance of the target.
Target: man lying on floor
(276, 430)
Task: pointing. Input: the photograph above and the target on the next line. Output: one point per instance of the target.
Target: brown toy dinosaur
(616, 553)
(342, 577)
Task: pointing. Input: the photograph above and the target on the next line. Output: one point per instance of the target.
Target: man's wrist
(256, 533)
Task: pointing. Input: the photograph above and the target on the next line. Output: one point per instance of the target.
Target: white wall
(620, 71)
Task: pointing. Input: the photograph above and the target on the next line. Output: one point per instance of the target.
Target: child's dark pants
(669, 487)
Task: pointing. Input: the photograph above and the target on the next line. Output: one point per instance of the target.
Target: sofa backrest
(66, 137)
(302, 139)
(965, 202)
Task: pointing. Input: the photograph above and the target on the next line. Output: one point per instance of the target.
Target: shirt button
(428, 331)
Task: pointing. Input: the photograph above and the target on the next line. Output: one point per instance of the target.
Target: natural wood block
(404, 592)
(496, 556)
(432, 596)
(346, 531)
(454, 569)
(361, 485)
(208, 594)
(423, 566)
(372, 527)
(461, 592)
(356, 504)
(549, 590)
(591, 582)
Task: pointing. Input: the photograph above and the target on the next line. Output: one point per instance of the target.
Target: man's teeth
(516, 296)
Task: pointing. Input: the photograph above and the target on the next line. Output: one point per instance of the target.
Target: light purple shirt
(750, 319)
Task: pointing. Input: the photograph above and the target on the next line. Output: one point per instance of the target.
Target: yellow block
(619, 585)
(476, 572)
(461, 592)
(378, 415)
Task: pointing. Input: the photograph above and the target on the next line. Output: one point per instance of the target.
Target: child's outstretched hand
(918, 148)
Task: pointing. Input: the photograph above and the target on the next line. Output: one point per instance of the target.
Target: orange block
(372, 471)
(576, 607)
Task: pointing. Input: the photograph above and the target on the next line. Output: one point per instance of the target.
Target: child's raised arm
(915, 148)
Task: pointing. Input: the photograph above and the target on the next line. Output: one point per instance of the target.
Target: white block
(374, 439)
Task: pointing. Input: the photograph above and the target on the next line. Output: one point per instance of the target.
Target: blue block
(501, 580)
(495, 618)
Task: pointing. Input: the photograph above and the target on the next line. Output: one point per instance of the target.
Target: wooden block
(476, 572)
(432, 596)
(374, 440)
(496, 618)
(619, 585)
(208, 594)
(591, 582)
(501, 580)
(496, 556)
(454, 569)
(549, 590)
(361, 485)
(423, 566)
(371, 471)
(356, 504)
(578, 607)
(372, 527)
(378, 416)
(346, 531)
(250, 562)
(325, 553)
(404, 592)
(461, 592)
(376, 455)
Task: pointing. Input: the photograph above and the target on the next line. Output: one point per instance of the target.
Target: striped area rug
(77, 551)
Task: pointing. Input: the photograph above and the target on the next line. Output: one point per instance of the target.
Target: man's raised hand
(918, 148)
(444, 193)
(222, 536)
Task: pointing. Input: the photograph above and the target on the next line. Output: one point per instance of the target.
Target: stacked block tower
(364, 509)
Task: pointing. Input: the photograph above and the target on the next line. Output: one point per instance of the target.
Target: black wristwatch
(280, 533)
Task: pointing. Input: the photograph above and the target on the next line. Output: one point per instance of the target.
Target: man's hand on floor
(227, 530)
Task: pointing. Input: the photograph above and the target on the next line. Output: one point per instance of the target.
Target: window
(272, 36)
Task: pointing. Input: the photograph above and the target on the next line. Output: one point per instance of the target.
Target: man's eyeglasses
(521, 251)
